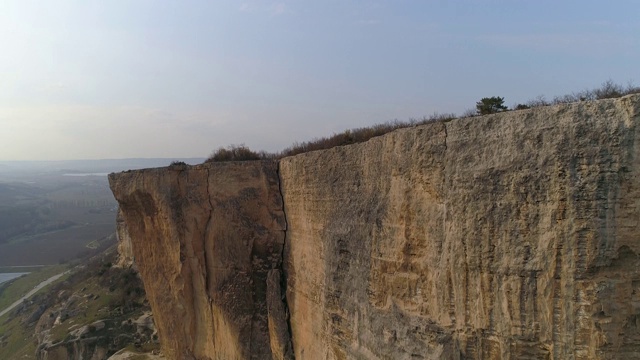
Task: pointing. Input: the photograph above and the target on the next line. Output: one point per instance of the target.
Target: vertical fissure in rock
(444, 124)
(443, 191)
(204, 240)
(283, 274)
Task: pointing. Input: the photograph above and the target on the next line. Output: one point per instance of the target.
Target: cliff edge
(507, 236)
(206, 240)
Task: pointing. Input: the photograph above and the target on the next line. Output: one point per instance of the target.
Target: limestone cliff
(206, 239)
(512, 236)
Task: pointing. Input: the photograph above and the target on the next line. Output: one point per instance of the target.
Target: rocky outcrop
(99, 312)
(87, 348)
(205, 241)
(508, 236)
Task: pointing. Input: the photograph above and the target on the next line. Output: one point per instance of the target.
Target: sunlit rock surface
(204, 240)
(510, 236)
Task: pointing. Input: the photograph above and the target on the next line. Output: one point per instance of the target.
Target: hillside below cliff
(507, 236)
(91, 311)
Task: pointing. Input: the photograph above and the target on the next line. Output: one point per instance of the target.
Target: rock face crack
(444, 124)
(204, 245)
(289, 354)
(444, 184)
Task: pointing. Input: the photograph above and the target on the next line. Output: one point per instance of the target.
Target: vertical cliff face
(206, 240)
(513, 235)
(507, 236)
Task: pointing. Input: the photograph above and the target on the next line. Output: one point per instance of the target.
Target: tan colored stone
(204, 240)
(508, 236)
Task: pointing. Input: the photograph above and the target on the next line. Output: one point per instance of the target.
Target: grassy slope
(20, 342)
(17, 288)
(104, 293)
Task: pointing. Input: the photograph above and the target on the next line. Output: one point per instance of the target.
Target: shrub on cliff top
(236, 153)
(347, 137)
(488, 105)
(607, 90)
(178, 164)
(491, 105)
(358, 135)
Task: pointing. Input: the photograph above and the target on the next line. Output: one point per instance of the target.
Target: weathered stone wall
(205, 240)
(506, 236)
(512, 236)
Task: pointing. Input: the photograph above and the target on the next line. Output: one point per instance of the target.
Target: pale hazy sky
(124, 78)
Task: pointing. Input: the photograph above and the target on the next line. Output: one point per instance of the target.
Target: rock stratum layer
(508, 236)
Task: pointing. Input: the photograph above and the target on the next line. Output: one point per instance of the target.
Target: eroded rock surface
(205, 239)
(508, 236)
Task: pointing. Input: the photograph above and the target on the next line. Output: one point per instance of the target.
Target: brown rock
(508, 236)
(204, 240)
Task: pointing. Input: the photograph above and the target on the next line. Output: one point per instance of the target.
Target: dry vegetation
(237, 153)
(352, 136)
(607, 90)
(358, 135)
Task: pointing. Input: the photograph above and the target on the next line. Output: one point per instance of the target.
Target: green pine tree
(491, 105)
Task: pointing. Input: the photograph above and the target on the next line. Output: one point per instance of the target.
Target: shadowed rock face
(125, 252)
(512, 236)
(205, 239)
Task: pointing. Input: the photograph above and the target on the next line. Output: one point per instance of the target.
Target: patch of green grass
(21, 286)
(100, 292)
(93, 310)
(18, 342)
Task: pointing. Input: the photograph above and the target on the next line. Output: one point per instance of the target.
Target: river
(4, 277)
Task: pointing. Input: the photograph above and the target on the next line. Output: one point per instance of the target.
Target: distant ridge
(91, 166)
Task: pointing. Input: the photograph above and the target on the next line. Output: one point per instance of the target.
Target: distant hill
(90, 166)
(53, 211)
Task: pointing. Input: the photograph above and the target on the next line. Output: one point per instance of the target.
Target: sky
(135, 78)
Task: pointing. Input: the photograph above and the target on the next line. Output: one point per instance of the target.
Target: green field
(104, 293)
(15, 289)
(18, 269)
(16, 338)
